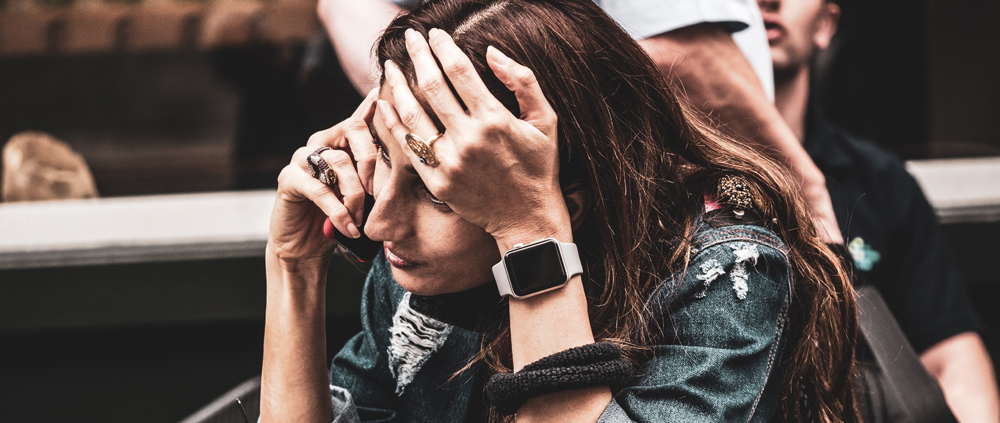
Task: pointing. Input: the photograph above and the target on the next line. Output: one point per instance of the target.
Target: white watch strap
(568, 252)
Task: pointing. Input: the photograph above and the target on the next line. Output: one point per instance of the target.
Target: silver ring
(320, 169)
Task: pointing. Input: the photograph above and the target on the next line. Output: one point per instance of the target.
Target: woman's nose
(389, 218)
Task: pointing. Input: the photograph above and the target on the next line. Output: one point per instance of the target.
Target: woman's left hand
(495, 170)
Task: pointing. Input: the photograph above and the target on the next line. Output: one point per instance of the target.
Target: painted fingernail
(410, 35)
(353, 231)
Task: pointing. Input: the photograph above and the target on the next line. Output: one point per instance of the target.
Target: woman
(500, 123)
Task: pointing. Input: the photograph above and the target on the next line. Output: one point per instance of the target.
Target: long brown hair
(647, 161)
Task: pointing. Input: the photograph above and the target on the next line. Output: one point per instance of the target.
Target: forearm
(962, 367)
(353, 27)
(294, 381)
(546, 324)
(718, 80)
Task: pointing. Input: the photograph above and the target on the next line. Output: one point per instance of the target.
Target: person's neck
(791, 97)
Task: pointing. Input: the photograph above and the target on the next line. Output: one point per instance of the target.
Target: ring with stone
(423, 148)
(320, 169)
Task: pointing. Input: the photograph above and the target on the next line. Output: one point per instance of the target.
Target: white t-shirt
(647, 18)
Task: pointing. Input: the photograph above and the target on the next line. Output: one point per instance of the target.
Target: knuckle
(284, 175)
(525, 75)
(410, 117)
(340, 214)
(460, 68)
(337, 158)
(356, 125)
(433, 86)
(493, 126)
(319, 138)
(300, 154)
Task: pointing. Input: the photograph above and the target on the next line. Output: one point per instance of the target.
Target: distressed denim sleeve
(722, 337)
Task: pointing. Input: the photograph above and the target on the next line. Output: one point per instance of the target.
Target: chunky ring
(320, 169)
(423, 149)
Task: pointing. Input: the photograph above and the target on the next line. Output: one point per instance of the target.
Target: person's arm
(962, 367)
(353, 27)
(294, 382)
(706, 63)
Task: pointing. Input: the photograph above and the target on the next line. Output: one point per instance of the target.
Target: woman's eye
(434, 199)
(382, 154)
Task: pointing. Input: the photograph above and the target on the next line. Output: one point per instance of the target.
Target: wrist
(299, 273)
(526, 234)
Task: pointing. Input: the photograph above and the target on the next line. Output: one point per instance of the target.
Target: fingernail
(433, 33)
(383, 108)
(498, 57)
(353, 231)
(391, 72)
(410, 35)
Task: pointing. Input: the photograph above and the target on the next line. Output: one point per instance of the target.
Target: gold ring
(422, 149)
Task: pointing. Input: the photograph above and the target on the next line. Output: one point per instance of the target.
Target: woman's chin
(427, 286)
(419, 285)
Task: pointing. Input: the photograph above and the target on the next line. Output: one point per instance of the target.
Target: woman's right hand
(303, 202)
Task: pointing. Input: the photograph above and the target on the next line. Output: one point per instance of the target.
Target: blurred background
(193, 106)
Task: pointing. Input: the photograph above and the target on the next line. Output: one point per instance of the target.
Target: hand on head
(496, 170)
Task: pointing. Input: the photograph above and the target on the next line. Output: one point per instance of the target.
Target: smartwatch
(538, 267)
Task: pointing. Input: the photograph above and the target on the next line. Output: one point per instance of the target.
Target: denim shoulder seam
(767, 239)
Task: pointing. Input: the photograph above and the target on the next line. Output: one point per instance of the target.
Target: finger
(431, 81)
(462, 74)
(297, 182)
(353, 136)
(334, 137)
(521, 80)
(361, 144)
(411, 114)
(348, 184)
(399, 131)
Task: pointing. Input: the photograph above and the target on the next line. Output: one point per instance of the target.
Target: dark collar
(822, 141)
(473, 309)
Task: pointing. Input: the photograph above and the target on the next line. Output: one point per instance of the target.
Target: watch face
(535, 268)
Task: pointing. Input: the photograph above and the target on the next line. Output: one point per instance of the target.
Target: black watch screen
(535, 268)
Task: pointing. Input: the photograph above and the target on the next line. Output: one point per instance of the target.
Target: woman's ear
(577, 202)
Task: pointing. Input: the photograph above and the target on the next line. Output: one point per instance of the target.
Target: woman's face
(430, 248)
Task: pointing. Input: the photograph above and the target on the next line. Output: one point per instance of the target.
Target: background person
(693, 42)
(628, 185)
(892, 232)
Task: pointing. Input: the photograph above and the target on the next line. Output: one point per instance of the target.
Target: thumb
(535, 109)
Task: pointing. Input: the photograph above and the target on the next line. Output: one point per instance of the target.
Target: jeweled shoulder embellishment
(735, 192)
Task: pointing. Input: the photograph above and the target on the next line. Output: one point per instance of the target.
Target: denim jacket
(717, 361)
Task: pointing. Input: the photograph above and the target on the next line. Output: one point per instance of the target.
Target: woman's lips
(396, 260)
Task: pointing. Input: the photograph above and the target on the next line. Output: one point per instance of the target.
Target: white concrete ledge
(134, 229)
(961, 190)
(234, 224)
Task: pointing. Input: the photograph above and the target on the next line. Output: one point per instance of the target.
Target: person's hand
(303, 202)
(496, 170)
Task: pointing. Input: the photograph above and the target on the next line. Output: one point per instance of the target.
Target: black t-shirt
(892, 234)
